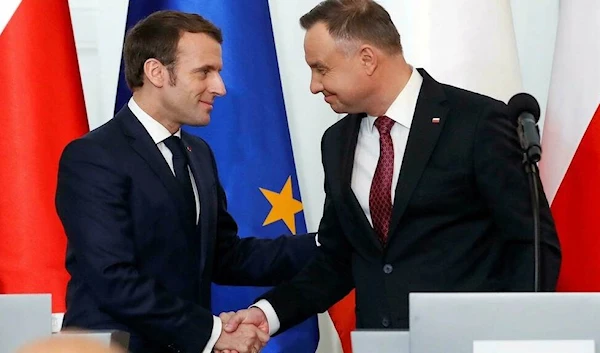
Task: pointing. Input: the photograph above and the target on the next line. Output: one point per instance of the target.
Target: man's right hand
(253, 316)
(244, 339)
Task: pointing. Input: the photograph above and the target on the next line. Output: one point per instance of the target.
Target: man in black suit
(424, 187)
(144, 211)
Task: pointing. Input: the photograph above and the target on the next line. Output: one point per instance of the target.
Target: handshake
(246, 331)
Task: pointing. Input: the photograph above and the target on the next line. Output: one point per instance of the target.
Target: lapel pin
(435, 120)
(189, 149)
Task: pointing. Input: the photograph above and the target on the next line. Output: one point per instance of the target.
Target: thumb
(262, 336)
(225, 316)
(235, 321)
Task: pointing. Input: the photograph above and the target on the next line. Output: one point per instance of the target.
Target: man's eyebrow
(316, 64)
(206, 67)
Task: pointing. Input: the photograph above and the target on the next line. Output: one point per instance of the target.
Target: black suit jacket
(133, 266)
(461, 219)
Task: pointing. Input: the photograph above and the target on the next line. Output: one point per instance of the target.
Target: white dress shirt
(159, 133)
(366, 156)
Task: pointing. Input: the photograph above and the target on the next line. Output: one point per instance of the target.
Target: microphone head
(523, 102)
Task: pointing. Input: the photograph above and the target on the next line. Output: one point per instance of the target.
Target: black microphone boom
(526, 110)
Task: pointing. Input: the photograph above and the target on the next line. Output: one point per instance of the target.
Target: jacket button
(387, 269)
(385, 322)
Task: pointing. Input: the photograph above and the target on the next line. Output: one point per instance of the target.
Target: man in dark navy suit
(424, 187)
(144, 211)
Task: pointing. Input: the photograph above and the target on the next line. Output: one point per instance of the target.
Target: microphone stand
(532, 170)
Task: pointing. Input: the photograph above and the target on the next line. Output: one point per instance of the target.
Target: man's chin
(203, 121)
(336, 108)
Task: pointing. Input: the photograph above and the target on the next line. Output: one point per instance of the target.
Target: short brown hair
(157, 36)
(363, 20)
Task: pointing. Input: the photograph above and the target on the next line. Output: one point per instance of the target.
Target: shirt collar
(156, 130)
(402, 109)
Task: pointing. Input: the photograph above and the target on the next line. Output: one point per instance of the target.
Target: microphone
(526, 110)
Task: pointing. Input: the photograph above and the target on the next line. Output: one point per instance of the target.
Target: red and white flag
(42, 109)
(570, 165)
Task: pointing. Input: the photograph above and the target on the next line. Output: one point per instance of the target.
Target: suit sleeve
(92, 203)
(252, 261)
(504, 184)
(324, 281)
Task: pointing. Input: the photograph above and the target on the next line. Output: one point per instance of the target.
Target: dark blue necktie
(180, 165)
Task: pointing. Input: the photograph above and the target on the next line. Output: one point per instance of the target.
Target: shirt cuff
(271, 315)
(214, 337)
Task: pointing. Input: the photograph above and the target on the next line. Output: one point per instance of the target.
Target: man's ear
(368, 58)
(155, 72)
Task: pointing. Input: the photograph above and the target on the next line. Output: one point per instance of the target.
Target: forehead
(199, 46)
(318, 43)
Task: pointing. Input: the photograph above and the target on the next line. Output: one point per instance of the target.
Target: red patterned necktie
(380, 197)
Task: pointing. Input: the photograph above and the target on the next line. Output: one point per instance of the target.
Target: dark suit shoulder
(90, 150)
(105, 145)
(463, 99)
(105, 137)
(457, 99)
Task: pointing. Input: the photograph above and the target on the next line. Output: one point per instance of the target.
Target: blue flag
(250, 138)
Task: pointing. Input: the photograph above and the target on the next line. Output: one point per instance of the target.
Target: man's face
(338, 75)
(195, 81)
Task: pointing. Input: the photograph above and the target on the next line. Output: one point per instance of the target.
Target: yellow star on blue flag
(283, 206)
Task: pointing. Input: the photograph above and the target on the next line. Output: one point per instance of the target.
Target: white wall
(99, 27)
(535, 24)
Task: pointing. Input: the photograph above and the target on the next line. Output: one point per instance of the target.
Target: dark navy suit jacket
(461, 218)
(132, 265)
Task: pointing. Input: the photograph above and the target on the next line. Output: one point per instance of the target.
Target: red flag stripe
(42, 110)
(575, 210)
(343, 316)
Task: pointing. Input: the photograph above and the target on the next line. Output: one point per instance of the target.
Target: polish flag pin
(189, 149)
(435, 120)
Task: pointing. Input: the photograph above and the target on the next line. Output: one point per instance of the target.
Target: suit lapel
(422, 138)
(346, 152)
(346, 158)
(145, 147)
(203, 179)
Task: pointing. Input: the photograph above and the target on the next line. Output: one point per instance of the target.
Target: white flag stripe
(574, 89)
(7, 10)
(468, 43)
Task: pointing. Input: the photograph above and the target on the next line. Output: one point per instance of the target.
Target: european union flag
(250, 137)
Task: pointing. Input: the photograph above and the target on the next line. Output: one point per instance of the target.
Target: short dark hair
(363, 20)
(157, 36)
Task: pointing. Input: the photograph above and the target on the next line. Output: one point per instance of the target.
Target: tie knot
(384, 124)
(175, 144)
